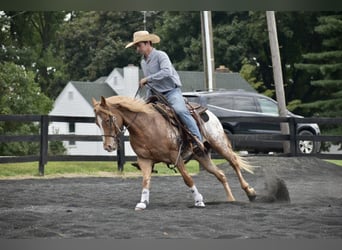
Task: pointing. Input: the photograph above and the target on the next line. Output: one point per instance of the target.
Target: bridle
(113, 121)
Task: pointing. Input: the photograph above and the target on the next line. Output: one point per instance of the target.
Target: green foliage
(325, 69)
(250, 72)
(20, 94)
(30, 40)
(94, 42)
(292, 105)
(56, 148)
(185, 51)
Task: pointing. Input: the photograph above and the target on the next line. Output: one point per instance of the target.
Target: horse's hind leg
(190, 183)
(237, 163)
(207, 163)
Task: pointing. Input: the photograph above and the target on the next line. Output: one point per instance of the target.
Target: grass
(67, 169)
(110, 169)
(337, 162)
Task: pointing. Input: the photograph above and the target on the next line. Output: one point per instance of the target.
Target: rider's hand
(142, 82)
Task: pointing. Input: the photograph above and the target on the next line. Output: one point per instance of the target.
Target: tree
(30, 41)
(325, 68)
(180, 34)
(250, 72)
(20, 94)
(94, 42)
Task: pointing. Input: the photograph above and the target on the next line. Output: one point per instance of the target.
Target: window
(71, 127)
(268, 107)
(70, 95)
(221, 101)
(245, 103)
(72, 131)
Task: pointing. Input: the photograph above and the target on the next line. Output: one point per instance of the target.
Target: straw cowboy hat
(143, 36)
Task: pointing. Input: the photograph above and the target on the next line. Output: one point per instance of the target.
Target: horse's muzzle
(109, 147)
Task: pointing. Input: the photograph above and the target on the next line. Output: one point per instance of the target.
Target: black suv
(240, 103)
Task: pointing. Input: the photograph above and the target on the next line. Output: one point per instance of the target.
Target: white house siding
(131, 80)
(126, 84)
(77, 106)
(115, 81)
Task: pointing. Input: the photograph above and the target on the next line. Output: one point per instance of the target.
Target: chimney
(131, 79)
(223, 69)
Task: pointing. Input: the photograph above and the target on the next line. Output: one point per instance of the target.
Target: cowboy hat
(143, 36)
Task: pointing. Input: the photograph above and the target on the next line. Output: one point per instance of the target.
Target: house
(124, 81)
(76, 100)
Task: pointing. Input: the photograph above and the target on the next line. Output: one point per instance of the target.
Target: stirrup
(198, 144)
(199, 149)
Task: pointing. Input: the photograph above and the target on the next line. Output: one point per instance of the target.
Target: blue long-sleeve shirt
(159, 71)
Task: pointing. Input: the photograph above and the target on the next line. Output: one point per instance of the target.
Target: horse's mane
(132, 104)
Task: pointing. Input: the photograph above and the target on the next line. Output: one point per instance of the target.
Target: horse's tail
(243, 163)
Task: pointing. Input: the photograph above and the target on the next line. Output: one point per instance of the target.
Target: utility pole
(207, 41)
(144, 21)
(205, 67)
(277, 74)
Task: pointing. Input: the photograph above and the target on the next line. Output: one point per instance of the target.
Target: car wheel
(306, 146)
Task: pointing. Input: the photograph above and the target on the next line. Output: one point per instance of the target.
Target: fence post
(121, 153)
(293, 136)
(44, 131)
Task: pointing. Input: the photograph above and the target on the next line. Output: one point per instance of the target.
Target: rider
(161, 75)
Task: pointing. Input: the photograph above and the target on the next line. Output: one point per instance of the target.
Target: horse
(155, 140)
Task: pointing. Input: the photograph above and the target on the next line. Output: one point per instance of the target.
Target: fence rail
(44, 137)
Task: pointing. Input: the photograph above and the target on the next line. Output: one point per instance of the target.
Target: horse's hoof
(199, 204)
(251, 197)
(251, 194)
(140, 206)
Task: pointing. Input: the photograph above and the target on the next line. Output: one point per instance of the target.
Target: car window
(268, 107)
(221, 101)
(244, 103)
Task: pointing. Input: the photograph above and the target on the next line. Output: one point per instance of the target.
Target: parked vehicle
(240, 103)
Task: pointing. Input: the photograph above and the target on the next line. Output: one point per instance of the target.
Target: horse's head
(110, 123)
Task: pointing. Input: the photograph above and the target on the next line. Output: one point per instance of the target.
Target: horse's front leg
(146, 167)
(190, 183)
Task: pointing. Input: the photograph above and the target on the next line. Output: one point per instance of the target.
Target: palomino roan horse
(155, 140)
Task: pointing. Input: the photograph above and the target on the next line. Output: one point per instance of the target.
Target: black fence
(44, 137)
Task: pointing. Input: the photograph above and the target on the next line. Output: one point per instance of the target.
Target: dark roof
(191, 80)
(232, 81)
(102, 79)
(194, 80)
(93, 89)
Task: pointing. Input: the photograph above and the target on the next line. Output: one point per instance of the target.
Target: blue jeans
(176, 100)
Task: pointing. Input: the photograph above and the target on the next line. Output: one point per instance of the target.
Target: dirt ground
(103, 207)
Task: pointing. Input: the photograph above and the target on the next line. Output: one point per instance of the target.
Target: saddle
(196, 110)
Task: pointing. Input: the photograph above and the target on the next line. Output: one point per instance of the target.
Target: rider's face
(143, 48)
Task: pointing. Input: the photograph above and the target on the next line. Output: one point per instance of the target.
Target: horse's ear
(94, 101)
(103, 102)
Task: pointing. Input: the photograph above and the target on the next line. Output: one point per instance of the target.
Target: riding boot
(198, 147)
